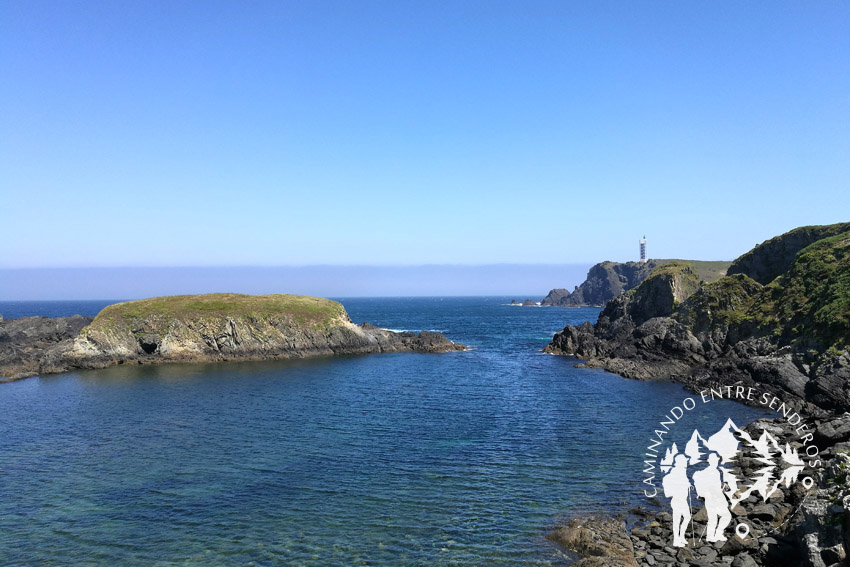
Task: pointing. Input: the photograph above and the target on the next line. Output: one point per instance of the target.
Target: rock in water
(599, 541)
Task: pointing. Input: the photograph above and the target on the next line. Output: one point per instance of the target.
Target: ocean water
(456, 459)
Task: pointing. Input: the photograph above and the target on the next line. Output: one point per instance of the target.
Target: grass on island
(302, 309)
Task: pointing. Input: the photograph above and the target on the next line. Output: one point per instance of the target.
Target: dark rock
(24, 341)
(684, 555)
(834, 554)
(735, 545)
(833, 431)
(764, 512)
(744, 560)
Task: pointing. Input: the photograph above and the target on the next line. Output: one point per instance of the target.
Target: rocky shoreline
(123, 334)
(778, 323)
(793, 526)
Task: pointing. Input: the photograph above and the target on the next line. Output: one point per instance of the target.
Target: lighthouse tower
(643, 250)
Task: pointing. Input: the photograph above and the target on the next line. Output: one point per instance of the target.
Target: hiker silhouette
(676, 487)
(708, 483)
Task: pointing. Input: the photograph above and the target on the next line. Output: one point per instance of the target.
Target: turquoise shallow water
(401, 459)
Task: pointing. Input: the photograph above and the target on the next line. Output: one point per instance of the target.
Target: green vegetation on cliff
(723, 302)
(774, 257)
(311, 312)
(811, 301)
(787, 332)
(706, 270)
(807, 305)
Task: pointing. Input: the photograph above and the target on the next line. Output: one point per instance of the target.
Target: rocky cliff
(24, 341)
(607, 280)
(200, 328)
(780, 322)
(772, 258)
(791, 335)
(604, 282)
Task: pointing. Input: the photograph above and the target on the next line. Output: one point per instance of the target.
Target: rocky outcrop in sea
(207, 328)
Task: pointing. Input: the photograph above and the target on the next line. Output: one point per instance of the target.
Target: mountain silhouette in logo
(697, 448)
(725, 442)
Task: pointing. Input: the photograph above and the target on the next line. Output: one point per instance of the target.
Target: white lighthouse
(643, 250)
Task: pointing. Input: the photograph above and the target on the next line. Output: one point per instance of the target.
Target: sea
(456, 459)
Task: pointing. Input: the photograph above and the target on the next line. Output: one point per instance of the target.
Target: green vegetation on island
(312, 312)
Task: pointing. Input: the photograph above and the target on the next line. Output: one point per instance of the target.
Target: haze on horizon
(375, 133)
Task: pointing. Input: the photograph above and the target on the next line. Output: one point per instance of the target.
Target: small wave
(395, 330)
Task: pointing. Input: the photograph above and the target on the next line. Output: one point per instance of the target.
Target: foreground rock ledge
(198, 328)
(599, 541)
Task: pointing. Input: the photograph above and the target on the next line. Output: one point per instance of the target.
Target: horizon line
(327, 265)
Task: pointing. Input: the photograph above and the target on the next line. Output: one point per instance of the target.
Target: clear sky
(403, 133)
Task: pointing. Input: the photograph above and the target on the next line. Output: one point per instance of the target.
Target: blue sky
(405, 133)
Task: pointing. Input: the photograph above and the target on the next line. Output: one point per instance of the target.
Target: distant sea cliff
(607, 280)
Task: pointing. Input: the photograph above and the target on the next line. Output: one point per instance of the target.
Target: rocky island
(779, 322)
(198, 328)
